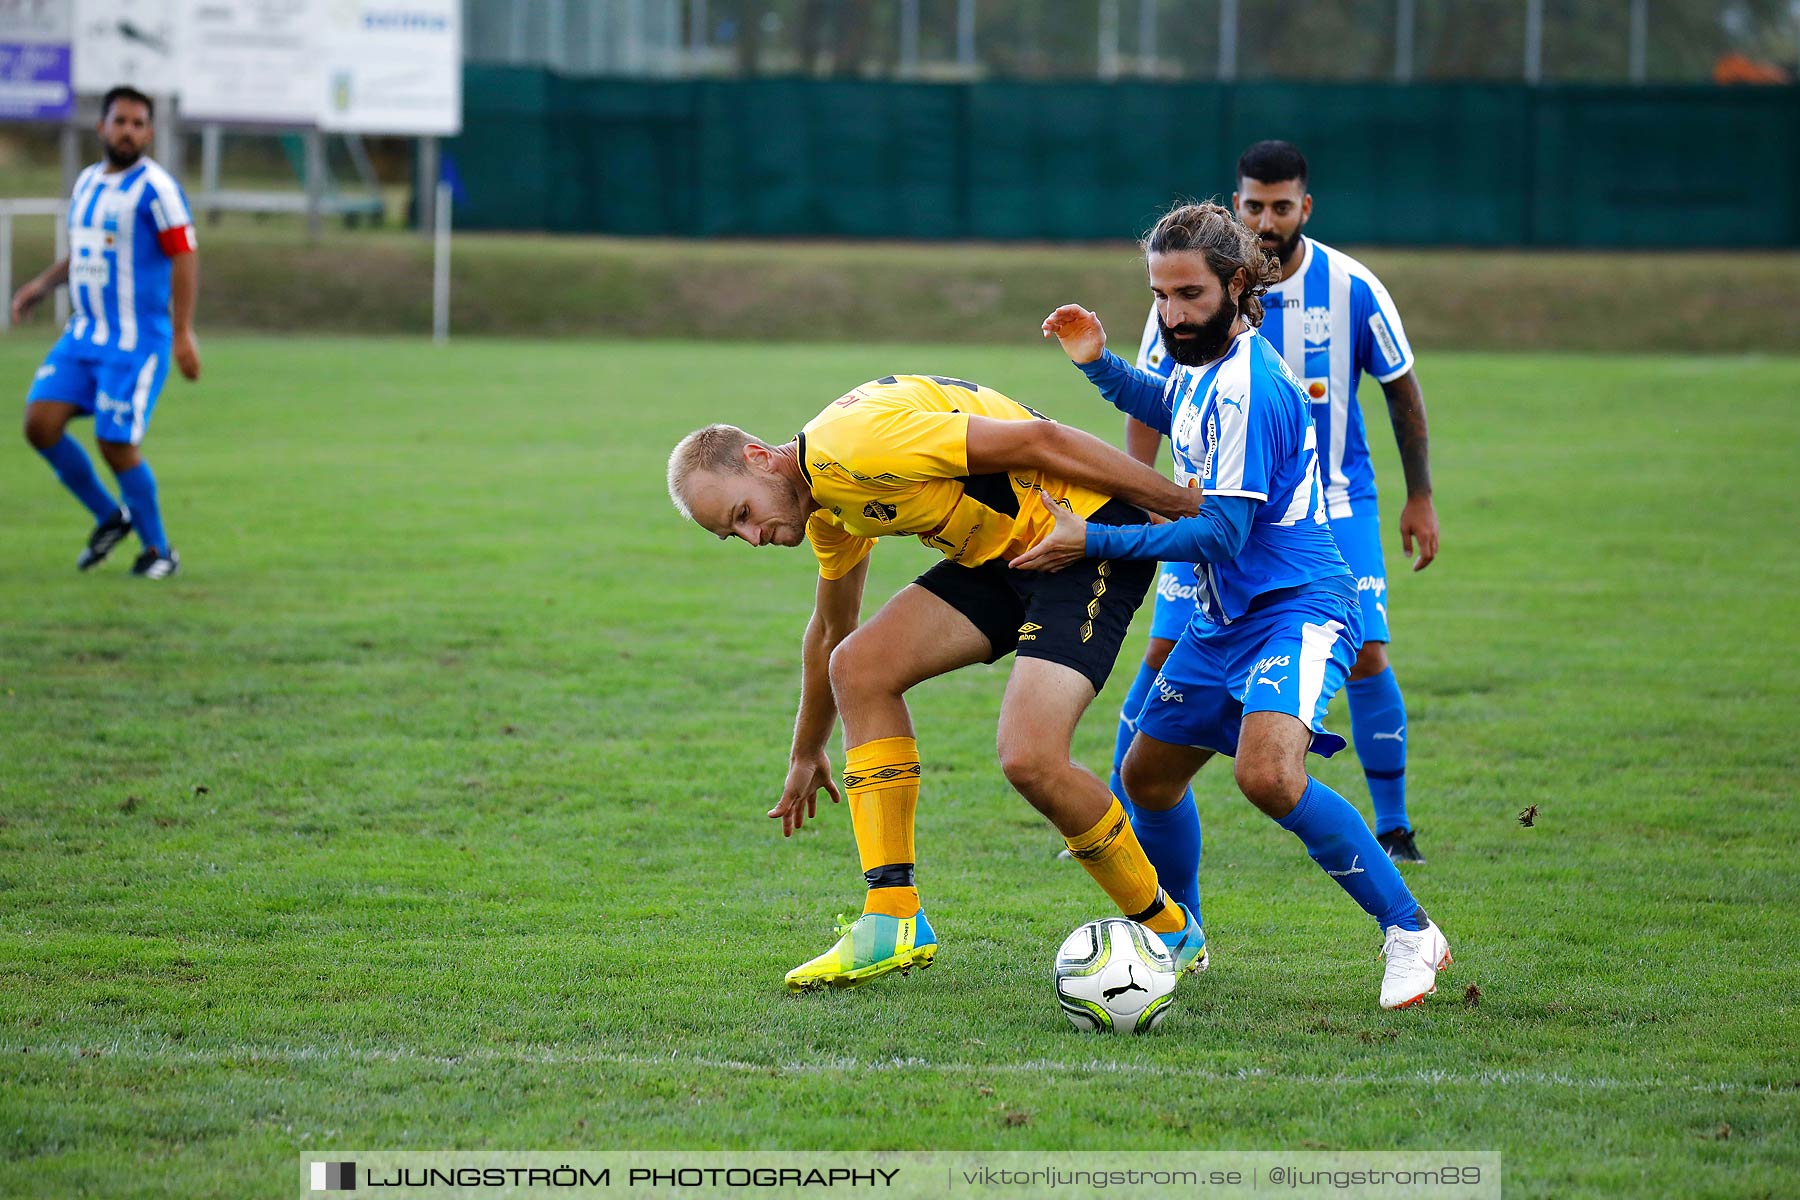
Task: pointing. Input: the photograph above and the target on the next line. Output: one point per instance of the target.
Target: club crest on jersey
(875, 510)
(1185, 417)
(1315, 325)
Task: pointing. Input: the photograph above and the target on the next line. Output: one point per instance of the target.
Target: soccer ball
(1114, 976)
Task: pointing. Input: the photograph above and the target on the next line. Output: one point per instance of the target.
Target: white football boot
(1413, 961)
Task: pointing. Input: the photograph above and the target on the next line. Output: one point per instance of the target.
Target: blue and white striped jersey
(125, 228)
(1152, 355)
(1332, 322)
(1242, 427)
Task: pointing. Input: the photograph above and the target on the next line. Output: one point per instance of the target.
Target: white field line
(559, 1056)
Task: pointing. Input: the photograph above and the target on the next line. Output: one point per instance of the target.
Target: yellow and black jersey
(891, 457)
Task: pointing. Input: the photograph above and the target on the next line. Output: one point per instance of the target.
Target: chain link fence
(1537, 41)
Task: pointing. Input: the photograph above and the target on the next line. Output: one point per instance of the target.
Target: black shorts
(1076, 616)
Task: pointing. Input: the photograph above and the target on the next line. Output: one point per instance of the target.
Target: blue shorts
(118, 389)
(1291, 657)
(1359, 541)
(1176, 596)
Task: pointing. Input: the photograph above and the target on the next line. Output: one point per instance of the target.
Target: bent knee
(1157, 652)
(1270, 783)
(40, 431)
(1030, 769)
(120, 456)
(1146, 785)
(858, 668)
(1371, 660)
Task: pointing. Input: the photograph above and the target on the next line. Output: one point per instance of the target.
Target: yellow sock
(1112, 855)
(881, 780)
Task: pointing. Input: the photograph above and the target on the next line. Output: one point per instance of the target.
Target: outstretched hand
(23, 301)
(187, 354)
(1082, 336)
(799, 801)
(1063, 545)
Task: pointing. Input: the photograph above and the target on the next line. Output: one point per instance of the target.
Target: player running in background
(1331, 320)
(1278, 622)
(133, 274)
(960, 467)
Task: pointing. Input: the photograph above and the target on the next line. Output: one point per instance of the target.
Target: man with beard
(1332, 321)
(962, 468)
(1277, 624)
(133, 274)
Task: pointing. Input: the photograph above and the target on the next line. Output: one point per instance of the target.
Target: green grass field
(262, 276)
(424, 809)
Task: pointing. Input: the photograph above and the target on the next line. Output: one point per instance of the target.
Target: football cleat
(106, 535)
(154, 564)
(1187, 948)
(1413, 960)
(867, 948)
(1400, 846)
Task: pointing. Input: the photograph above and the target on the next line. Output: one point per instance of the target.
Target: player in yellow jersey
(959, 467)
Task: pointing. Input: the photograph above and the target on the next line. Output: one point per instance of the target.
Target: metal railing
(10, 209)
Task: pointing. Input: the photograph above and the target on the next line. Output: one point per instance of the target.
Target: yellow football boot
(868, 947)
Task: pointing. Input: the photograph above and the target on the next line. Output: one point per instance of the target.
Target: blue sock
(1171, 841)
(1339, 840)
(76, 470)
(1378, 727)
(139, 488)
(1128, 715)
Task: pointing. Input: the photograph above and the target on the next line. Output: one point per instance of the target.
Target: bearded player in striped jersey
(961, 468)
(133, 275)
(1332, 321)
(1277, 622)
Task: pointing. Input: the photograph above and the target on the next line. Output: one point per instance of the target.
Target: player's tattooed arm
(1418, 519)
(1406, 409)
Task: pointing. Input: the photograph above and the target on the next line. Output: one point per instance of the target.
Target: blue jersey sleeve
(1217, 535)
(1153, 356)
(1381, 346)
(1133, 392)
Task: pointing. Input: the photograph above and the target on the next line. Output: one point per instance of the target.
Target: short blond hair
(715, 448)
